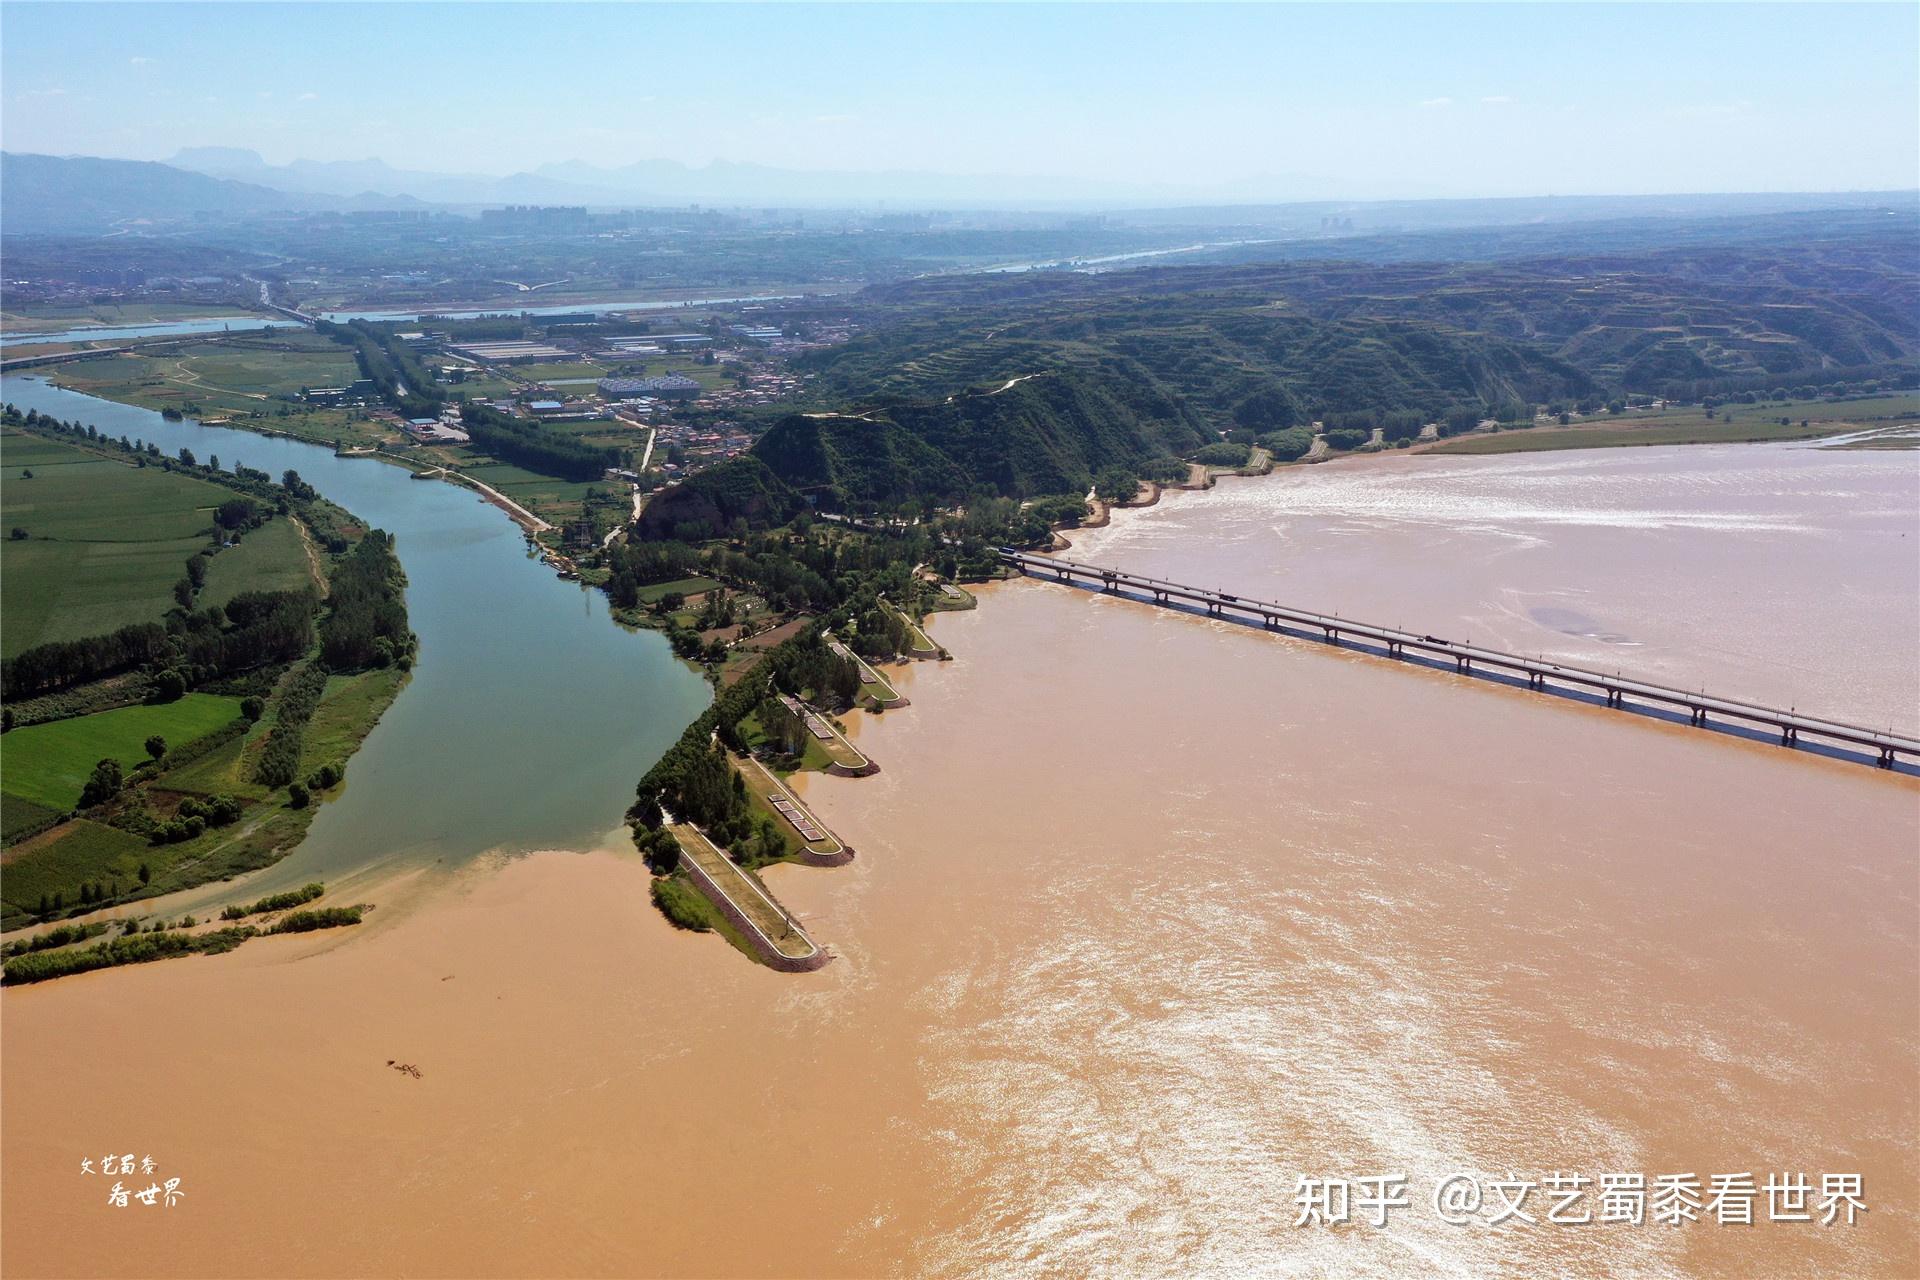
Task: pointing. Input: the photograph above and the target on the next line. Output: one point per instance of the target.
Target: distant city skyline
(1205, 102)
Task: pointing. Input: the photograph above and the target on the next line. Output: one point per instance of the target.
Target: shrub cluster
(681, 903)
(276, 902)
(133, 948)
(64, 935)
(195, 816)
(280, 756)
(323, 918)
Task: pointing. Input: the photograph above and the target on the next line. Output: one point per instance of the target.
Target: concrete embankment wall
(767, 952)
(839, 859)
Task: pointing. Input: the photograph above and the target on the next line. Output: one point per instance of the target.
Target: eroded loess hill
(1026, 436)
(1031, 384)
(1344, 336)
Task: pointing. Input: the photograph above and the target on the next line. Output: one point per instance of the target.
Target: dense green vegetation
(1037, 385)
(197, 640)
(535, 446)
(102, 536)
(322, 918)
(1268, 346)
(49, 764)
(683, 904)
(278, 761)
(389, 364)
(145, 758)
(276, 902)
(132, 948)
(738, 495)
(39, 964)
(366, 620)
(1048, 434)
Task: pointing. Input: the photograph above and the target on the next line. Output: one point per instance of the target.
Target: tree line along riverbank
(55, 953)
(250, 634)
(716, 809)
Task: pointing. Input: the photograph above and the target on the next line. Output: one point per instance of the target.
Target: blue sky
(1356, 100)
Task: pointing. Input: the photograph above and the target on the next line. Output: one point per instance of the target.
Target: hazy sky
(1360, 100)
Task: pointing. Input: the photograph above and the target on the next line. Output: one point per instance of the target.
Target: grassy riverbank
(154, 746)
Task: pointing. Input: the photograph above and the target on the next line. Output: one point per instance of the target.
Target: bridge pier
(1112, 584)
(1886, 757)
(1159, 596)
(1613, 697)
(1393, 649)
(1789, 736)
(1463, 664)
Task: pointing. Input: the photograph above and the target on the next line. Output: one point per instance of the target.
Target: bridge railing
(1791, 721)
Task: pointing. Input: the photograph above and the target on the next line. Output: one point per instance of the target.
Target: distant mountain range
(75, 194)
(658, 182)
(372, 177)
(55, 193)
(87, 194)
(81, 193)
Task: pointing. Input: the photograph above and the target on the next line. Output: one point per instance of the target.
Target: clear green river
(531, 713)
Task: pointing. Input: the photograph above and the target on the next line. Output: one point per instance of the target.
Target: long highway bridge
(1539, 674)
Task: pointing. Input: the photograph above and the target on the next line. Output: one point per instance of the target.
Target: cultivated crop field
(234, 377)
(105, 541)
(48, 764)
(79, 852)
(270, 558)
(552, 498)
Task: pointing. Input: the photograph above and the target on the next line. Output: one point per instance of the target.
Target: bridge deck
(1615, 686)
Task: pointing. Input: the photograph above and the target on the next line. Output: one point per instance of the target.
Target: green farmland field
(549, 496)
(682, 586)
(83, 851)
(106, 541)
(270, 558)
(48, 764)
(230, 377)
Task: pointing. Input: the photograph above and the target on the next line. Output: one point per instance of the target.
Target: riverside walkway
(1615, 688)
